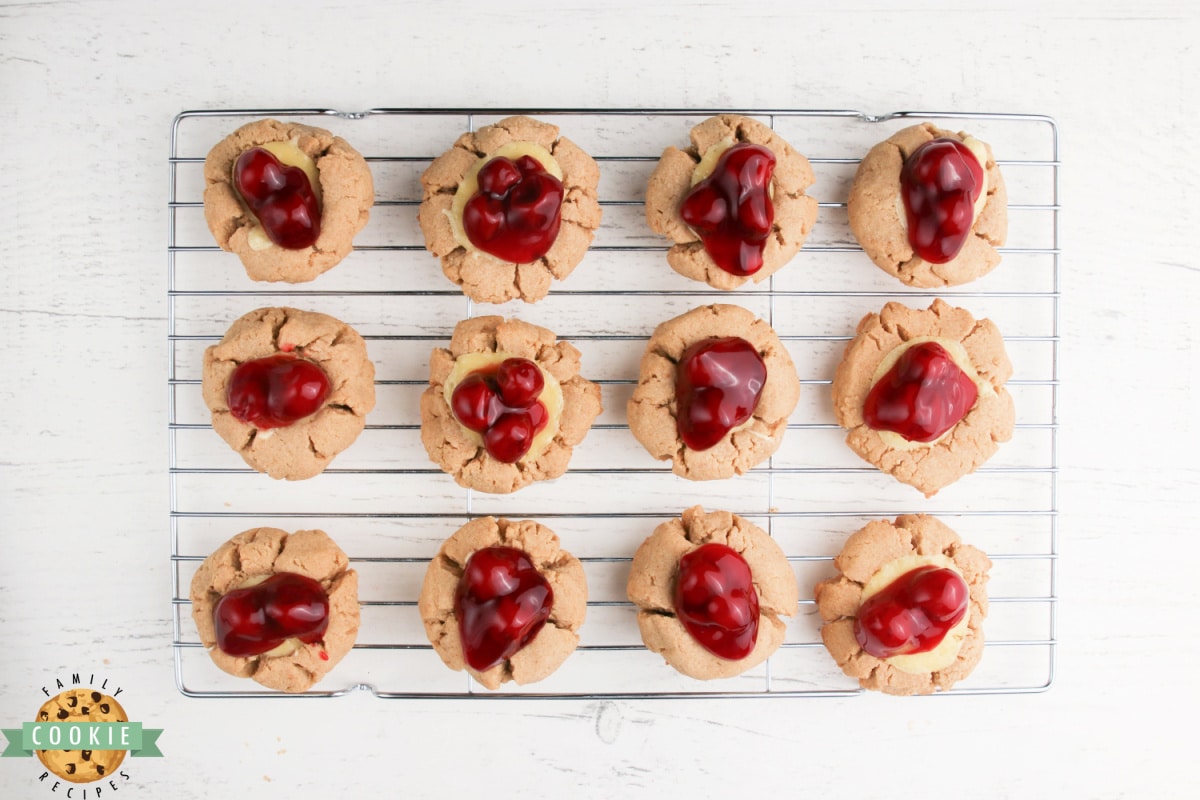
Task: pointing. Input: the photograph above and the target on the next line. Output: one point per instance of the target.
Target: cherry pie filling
(913, 613)
(501, 403)
(280, 196)
(718, 385)
(941, 183)
(731, 209)
(923, 395)
(277, 391)
(501, 603)
(256, 619)
(716, 601)
(516, 212)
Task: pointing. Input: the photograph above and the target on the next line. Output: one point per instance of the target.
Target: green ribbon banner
(140, 742)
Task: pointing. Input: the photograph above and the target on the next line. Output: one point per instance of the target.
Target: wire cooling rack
(390, 508)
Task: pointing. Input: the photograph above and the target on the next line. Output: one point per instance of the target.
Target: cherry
(474, 402)
(717, 388)
(922, 396)
(509, 437)
(913, 613)
(887, 629)
(520, 382)
(716, 601)
(501, 602)
(281, 197)
(259, 618)
(498, 176)
(731, 209)
(940, 183)
(275, 391)
(942, 593)
(501, 403)
(517, 211)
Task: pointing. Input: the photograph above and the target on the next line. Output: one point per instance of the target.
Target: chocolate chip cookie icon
(81, 705)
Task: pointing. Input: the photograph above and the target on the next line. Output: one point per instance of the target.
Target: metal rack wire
(390, 508)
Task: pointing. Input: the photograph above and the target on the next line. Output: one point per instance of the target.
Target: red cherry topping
(509, 437)
(499, 175)
(259, 618)
(516, 213)
(538, 417)
(922, 396)
(940, 183)
(520, 382)
(731, 209)
(913, 613)
(280, 196)
(716, 601)
(475, 403)
(275, 391)
(501, 403)
(501, 603)
(717, 387)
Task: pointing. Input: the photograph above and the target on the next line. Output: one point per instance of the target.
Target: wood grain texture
(87, 91)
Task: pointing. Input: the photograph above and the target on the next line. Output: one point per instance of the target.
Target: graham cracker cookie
(867, 563)
(345, 188)
(977, 348)
(305, 447)
(81, 705)
(256, 555)
(559, 571)
(480, 344)
(654, 575)
(795, 212)
(452, 180)
(654, 408)
(879, 223)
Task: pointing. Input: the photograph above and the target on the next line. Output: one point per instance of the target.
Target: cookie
(339, 177)
(304, 447)
(658, 418)
(81, 705)
(480, 345)
(879, 221)
(248, 560)
(556, 569)
(776, 241)
(653, 583)
(870, 560)
(504, 252)
(977, 350)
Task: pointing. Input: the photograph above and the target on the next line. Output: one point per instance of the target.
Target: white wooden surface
(87, 92)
